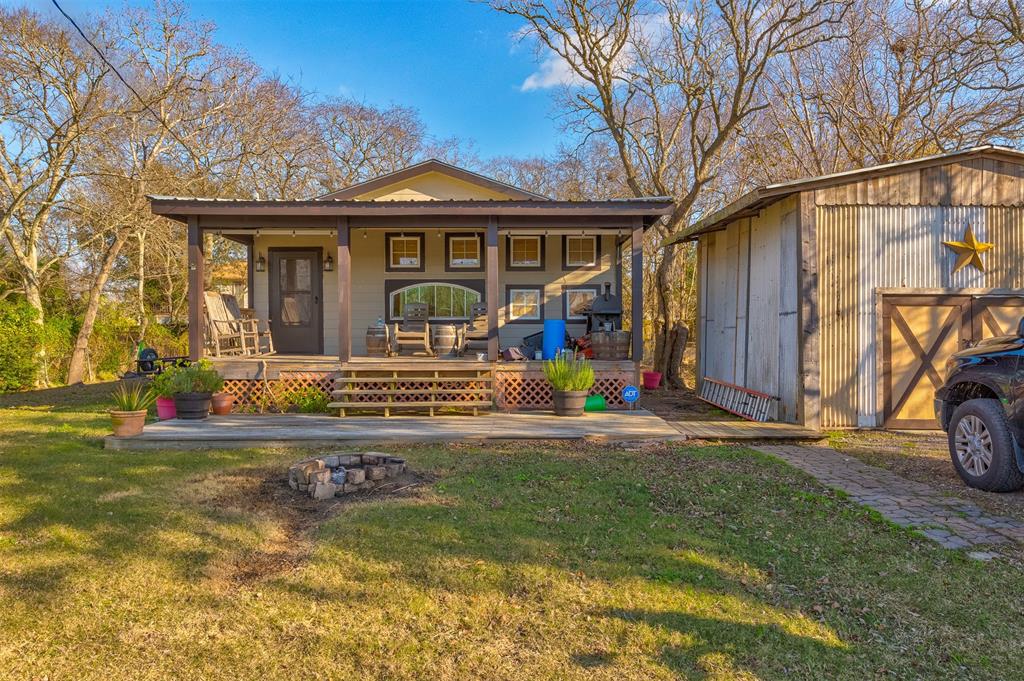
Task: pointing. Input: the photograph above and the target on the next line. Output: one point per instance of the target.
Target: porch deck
(241, 431)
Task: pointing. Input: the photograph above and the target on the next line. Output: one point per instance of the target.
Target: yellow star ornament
(969, 250)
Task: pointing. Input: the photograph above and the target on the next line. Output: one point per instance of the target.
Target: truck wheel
(982, 448)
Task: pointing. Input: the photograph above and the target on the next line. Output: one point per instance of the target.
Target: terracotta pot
(569, 402)
(192, 406)
(127, 423)
(222, 403)
(165, 408)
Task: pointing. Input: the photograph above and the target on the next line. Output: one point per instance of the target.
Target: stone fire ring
(338, 474)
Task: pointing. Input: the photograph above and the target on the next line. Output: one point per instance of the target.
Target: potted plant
(571, 380)
(163, 388)
(193, 388)
(131, 404)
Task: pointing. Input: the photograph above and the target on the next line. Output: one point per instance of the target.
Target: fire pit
(338, 474)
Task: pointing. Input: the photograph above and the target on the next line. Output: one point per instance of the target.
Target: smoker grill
(606, 309)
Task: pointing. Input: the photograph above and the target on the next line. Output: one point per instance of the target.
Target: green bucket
(595, 403)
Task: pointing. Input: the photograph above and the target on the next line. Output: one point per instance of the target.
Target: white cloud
(553, 71)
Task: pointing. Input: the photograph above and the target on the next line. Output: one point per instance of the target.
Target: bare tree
(670, 84)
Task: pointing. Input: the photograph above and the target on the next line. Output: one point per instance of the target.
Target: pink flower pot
(165, 408)
(652, 379)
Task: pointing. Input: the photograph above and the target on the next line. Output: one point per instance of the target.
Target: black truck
(981, 407)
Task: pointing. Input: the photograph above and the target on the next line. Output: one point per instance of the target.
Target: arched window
(445, 301)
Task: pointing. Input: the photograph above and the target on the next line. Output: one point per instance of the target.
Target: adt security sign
(630, 394)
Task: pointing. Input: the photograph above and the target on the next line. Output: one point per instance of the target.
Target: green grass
(513, 562)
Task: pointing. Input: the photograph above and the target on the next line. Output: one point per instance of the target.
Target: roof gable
(432, 180)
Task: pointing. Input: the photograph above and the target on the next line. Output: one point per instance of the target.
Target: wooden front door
(296, 300)
(919, 333)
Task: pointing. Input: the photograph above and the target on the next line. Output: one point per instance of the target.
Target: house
(324, 271)
(843, 295)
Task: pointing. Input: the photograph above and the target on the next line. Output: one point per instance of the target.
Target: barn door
(918, 334)
(997, 316)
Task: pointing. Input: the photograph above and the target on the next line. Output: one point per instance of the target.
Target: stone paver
(953, 523)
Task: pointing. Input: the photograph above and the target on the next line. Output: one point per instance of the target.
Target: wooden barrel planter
(444, 338)
(377, 341)
(610, 345)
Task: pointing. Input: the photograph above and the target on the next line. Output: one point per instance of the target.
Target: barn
(840, 297)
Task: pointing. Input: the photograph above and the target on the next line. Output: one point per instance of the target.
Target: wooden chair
(252, 324)
(474, 334)
(228, 332)
(414, 330)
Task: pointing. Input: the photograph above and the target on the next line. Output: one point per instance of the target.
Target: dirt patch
(923, 457)
(287, 518)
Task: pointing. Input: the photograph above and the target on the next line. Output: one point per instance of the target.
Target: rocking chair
(474, 334)
(413, 331)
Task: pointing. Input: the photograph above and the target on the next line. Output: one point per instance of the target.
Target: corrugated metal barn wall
(865, 248)
(748, 305)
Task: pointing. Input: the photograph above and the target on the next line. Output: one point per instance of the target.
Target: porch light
(261, 264)
(329, 264)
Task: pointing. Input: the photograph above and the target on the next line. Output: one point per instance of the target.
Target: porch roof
(178, 208)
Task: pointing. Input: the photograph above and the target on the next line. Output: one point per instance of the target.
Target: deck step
(414, 379)
(437, 391)
(412, 403)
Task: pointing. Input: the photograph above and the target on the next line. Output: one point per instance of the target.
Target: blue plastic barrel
(554, 337)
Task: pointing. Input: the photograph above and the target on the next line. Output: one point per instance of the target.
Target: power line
(128, 85)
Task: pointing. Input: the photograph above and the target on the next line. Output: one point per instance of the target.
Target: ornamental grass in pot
(571, 380)
(131, 404)
(193, 387)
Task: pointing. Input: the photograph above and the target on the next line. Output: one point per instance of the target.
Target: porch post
(195, 289)
(637, 284)
(344, 291)
(492, 288)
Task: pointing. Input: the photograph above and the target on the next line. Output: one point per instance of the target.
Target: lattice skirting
(530, 390)
(257, 395)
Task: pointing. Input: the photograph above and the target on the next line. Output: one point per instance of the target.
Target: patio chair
(247, 315)
(413, 332)
(228, 333)
(474, 334)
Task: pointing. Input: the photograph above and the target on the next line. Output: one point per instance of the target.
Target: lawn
(505, 562)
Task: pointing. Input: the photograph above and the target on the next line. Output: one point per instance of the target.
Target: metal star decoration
(969, 250)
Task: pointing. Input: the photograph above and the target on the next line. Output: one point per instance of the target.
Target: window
(462, 252)
(524, 304)
(579, 251)
(578, 300)
(405, 252)
(444, 301)
(525, 252)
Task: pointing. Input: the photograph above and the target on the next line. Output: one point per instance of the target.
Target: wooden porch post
(344, 291)
(195, 289)
(637, 284)
(492, 288)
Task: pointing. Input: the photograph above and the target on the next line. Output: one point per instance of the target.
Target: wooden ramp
(247, 431)
(744, 430)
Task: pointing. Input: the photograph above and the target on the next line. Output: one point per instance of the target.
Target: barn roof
(753, 201)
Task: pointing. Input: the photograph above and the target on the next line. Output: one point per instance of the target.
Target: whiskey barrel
(610, 345)
(377, 341)
(444, 339)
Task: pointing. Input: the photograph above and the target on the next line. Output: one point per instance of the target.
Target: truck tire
(982, 447)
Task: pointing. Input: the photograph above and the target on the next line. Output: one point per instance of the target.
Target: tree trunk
(141, 286)
(668, 313)
(77, 367)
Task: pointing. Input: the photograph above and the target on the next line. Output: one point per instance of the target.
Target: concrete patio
(244, 431)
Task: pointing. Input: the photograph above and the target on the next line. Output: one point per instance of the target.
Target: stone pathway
(953, 523)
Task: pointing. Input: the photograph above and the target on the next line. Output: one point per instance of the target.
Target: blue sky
(455, 61)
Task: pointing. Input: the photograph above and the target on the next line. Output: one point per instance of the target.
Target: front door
(296, 300)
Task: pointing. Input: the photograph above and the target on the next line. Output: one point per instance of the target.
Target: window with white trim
(580, 251)
(404, 252)
(525, 251)
(444, 301)
(464, 251)
(578, 302)
(524, 304)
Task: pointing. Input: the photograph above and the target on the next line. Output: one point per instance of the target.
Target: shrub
(200, 377)
(308, 400)
(20, 341)
(569, 375)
